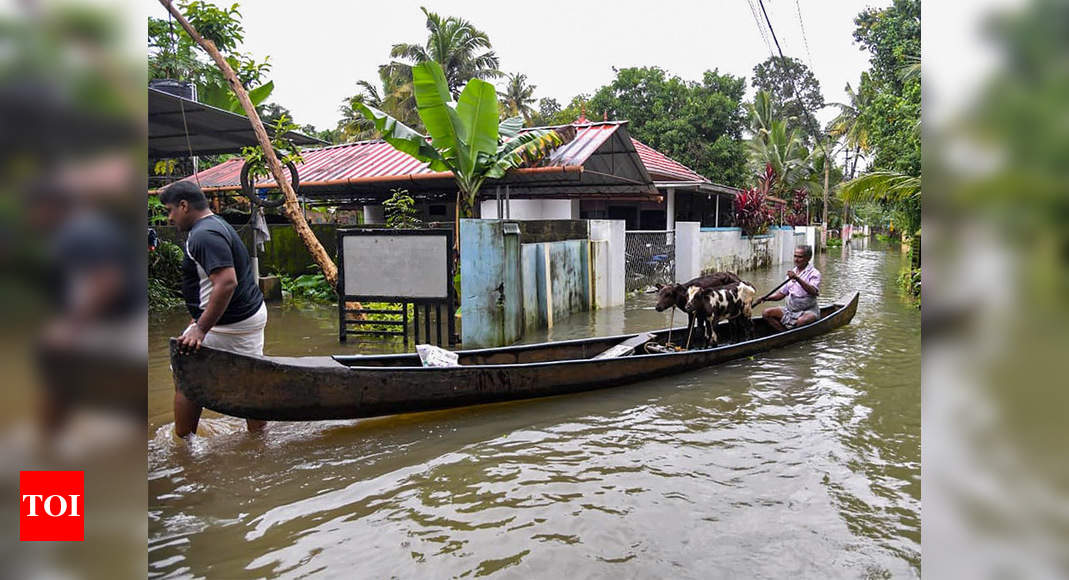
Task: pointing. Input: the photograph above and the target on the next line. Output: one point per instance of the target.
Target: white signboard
(384, 265)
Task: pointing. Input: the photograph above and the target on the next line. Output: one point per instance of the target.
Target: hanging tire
(250, 192)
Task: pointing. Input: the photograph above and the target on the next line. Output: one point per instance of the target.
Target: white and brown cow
(725, 303)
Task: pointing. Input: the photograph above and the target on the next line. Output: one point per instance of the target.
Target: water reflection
(802, 461)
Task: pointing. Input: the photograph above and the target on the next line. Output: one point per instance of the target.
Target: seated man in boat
(801, 293)
(219, 289)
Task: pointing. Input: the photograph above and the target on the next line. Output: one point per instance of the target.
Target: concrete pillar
(491, 283)
(688, 250)
(374, 214)
(670, 210)
(608, 260)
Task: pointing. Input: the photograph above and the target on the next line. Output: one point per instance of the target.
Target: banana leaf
(529, 148)
(477, 110)
(403, 138)
(510, 127)
(433, 102)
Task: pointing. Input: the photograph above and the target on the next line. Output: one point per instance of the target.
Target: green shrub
(165, 277)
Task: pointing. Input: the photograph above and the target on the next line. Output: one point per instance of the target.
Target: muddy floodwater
(801, 462)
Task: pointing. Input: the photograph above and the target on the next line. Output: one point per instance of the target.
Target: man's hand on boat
(189, 342)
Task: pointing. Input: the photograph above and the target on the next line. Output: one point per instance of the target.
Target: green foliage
(394, 95)
(165, 276)
(550, 112)
(777, 144)
(518, 97)
(698, 124)
(834, 242)
(157, 212)
(885, 116)
(222, 26)
(290, 153)
(401, 212)
(909, 280)
(463, 51)
(794, 92)
(465, 138)
(174, 55)
(311, 287)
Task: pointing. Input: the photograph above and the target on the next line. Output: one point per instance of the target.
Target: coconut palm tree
(775, 144)
(466, 137)
(849, 126)
(463, 51)
(394, 95)
(889, 186)
(518, 97)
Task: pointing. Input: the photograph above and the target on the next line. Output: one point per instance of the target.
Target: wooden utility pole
(291, 206)
(824, 231)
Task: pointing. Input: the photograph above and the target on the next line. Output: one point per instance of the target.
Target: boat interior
(659, 342)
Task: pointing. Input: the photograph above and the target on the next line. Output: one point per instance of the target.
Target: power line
(805, 41)
(794, 89)
(760, 27)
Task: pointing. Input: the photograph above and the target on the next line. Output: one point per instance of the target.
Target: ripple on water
(802, 461)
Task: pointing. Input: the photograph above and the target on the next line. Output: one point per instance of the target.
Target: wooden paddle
(773, 291)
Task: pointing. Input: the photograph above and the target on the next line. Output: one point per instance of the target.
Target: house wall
(509, 286)
(534, 209)
(702, 251)
(284, 254)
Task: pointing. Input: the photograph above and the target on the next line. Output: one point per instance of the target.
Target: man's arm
(809, 288)
(224, 282)
(772, 298)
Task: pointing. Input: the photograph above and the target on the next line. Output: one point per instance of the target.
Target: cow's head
(668, 295)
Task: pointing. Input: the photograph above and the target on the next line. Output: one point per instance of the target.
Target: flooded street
(804, 461)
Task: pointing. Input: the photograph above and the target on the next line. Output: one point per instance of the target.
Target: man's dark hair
(184, 191)
(808, 251)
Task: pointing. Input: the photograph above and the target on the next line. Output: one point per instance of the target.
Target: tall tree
(393, 95)
(891, 116)
(892, 37)
(794, 91)
(463, 51)
(467, 138)
(518, 97)
(848, 125)
(777, 144)
(173, 55)
(697, 123)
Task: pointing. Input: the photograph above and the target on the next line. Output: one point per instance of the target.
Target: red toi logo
(51, 506)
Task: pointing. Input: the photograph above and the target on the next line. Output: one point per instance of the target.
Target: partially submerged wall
(702, 251)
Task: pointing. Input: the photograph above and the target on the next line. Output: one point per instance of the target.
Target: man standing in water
(220, 291)
(801, 293)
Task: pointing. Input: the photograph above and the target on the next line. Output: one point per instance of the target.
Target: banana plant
(465, 138)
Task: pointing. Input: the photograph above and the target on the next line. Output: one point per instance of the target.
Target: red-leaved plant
(799, 216)
(752, 214)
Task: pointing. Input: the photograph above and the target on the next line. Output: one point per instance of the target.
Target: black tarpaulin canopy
(209, 130)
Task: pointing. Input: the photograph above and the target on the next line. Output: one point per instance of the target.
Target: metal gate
(650, 258)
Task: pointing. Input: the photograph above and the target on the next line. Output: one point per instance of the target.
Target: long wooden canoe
(351, 386)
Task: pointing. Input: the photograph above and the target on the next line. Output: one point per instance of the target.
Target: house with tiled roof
(603, 173)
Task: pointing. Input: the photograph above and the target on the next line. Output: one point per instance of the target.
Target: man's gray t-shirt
(213, 244)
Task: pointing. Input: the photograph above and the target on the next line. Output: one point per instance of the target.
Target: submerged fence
(649, 258)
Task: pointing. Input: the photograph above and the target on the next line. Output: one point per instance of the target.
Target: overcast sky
(320, 48)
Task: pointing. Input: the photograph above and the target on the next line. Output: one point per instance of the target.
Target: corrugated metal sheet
(379, 160)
